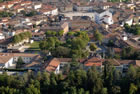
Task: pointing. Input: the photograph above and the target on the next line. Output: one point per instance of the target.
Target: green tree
(45, 82)
(30, 14)
(16, 39)
(60, 33)
(32, 90)
(61, 51)
(132, 89)
(108, 75)
(6, 14)
(116, 90)
(78, 43)
(98, 36)
(29, 35)
(74, 65)
(73, 90)
(50, 33)
(19, 63)
(93, 47)
(22, 36)
(104, 91)
(94, 81)
(131, 74)
(110, 43)
(43, 45)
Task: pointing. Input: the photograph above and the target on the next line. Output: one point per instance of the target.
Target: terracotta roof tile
(53, 64)
(93, 61)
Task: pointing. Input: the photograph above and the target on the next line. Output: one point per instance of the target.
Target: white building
(53, 11)
(8, 33)
(2, 7)
(37, 6)
(53, 66)
(99, 16)
(129, 21)
(124, 37)
(24, 20)
(103, 16)
(2, 36)
(8, 60)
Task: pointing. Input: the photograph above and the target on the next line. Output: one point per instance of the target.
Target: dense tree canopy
(98, 36)
(6, 14)
(134, 29)
(77, 81)
(130, 53)
(19, 63)
(93, 47)
(75, 45)
(20, 37)
(29, 14)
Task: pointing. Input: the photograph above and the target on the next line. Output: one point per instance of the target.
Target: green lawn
(35, 46)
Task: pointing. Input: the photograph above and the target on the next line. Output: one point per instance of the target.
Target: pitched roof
(65, 59)
(117, 50)
(100, 11)
(24, 54)
(53, 64)
(116, 62)
(93, 62)
(36, 62)
(4, 58)
(137, 63)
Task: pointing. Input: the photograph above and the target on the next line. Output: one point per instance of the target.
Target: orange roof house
(93, 62)
(53, 66)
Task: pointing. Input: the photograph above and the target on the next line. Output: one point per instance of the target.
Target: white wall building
(50, 12)
(83, 8)
(8, 33)
(2, 36)
(8, 60)
(98, 16)
(103, 16)
(53, 66)
(57, 70)
(54, 11)
(129, 22)
(37, 6)
(24, 20)
(9, 63)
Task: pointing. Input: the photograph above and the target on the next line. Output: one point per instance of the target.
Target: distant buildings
(8, 60)
(103, 16)
(68, 15)
(99, 16)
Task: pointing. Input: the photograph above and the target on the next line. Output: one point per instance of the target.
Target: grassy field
(35, 46)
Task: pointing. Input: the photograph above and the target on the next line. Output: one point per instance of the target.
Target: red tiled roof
(94, 62)
(117, 50)
(26, 2)
(16, 6)
(53, 64)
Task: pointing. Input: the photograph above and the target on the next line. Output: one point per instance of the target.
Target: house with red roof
(94, 61)
(53, 66)
(26, 3)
